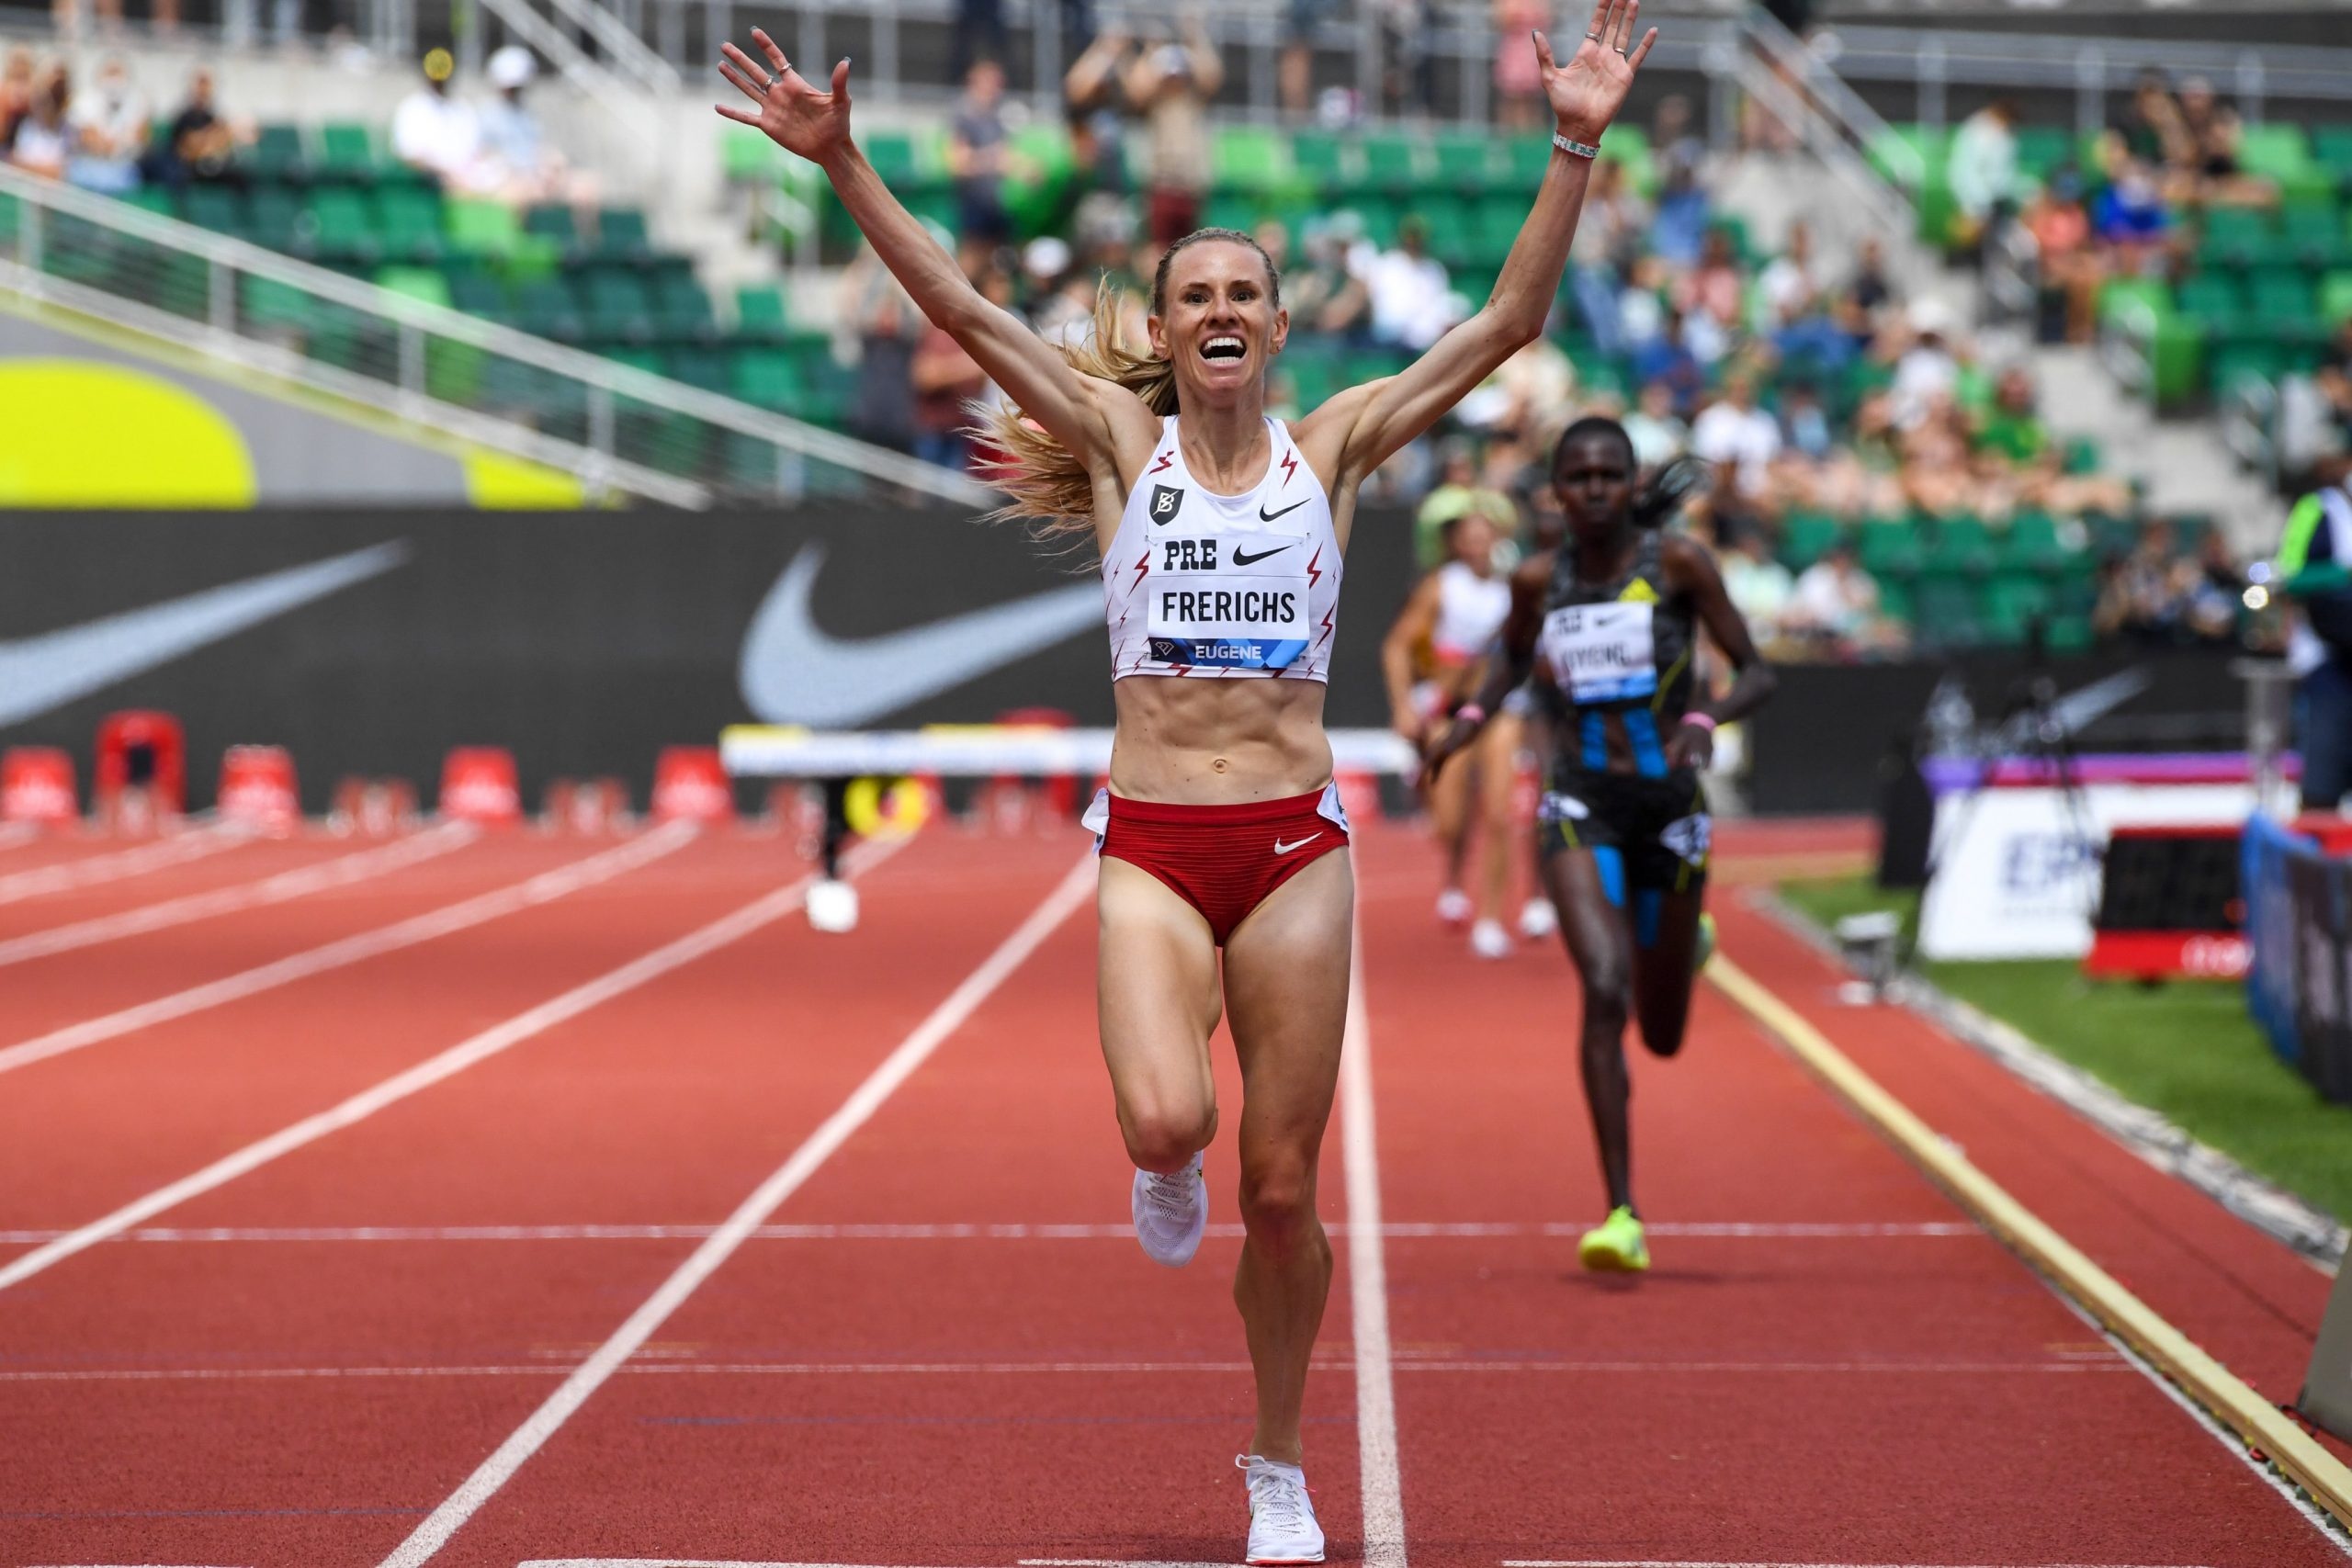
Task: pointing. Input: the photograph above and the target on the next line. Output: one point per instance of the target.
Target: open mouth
(1223, 346)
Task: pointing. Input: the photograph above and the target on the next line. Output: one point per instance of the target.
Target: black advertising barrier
(370, 642)
(583, 641)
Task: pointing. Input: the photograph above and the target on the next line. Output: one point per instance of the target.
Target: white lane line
(1693, 1562)
(541, 889)
(177, 850)
(695, 944)
(1336, 1365)
(15, 833)
(940, 1232)
(445, 1521)
(1383, 1489)
(342, 871)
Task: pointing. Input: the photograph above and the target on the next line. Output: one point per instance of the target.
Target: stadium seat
(746, 156)
(1392, 162)
(2315, 233)
(408, 223)
(760, 313)
(220, 209)
(892, 154)
(616, 306)
(1248, 159)
(545, 306)
(478, 292)
(2335, 299)
(1807, 537)
(704, 367)
(267, 304)
(553, 224)
(621, 234)
(2236, 236)
(347, 151)
(681, 309)
(2010, 603)
(482, 228)
(1959, 546)
(764, 377)
(1466, 162)
(2332, 151)
(278, 156)
(342, 227)
(1890, 547)
(274, 216)
(415, 282)
(2030, 543)
(1947, 614)
(1322, 158)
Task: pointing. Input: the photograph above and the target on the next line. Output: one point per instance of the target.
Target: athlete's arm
(1508, 668)
(1413, 626)
(1077, 410)
(1690, 569)
(1374, 420)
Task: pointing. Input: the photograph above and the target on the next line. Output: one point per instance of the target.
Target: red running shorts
(1222, 859)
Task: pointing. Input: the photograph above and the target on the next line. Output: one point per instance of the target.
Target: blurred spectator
(2131, 218)
(2066, 258)
(201, 144)
(978, 152)
(1412, 304)
(1457, 494)
(1926, 368)
(435, 133)
(1657, 434)
(1607, 236)
(2333, 380)
(2217, 593)
(944, 379)
(1091, 107)
(1868, 289)
(1171, 84)
(110, 132)
(1325, 295)
(1836, 603)
(1983, 169)
(516, 160)
(1805, 424)
(1761, 588)
(979, 34)
(1408, 54)
(42, 137)
(879, 327)
(2012, 427)
(1789, 284)
(1295, 75)
(2312, 557)
(2209, 134)
(2147, 593)
(1736, 436)
(1519, 75)
(2151, 131)
(1667, 359)
(1528, 399)
(15, 90)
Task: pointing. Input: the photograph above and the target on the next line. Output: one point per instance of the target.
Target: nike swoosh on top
(1242, 559)
(1282, 849)
(790, 672)
(1266, 516)
(51, 669)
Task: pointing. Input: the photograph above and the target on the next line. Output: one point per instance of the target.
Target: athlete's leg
(1600, 946)
(1450, 815)
(1286, 989)
(1666, 964)
(1157, 999)
(1498, 758)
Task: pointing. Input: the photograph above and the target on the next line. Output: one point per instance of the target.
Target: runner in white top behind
(1219, 827)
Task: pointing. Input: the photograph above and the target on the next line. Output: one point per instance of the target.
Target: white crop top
(1201, 584)
(1470, 610)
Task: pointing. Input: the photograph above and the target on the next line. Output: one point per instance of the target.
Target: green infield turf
(2185, 1049)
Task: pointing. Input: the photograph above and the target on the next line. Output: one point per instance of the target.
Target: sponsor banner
(2018, 870)
(2298, 919)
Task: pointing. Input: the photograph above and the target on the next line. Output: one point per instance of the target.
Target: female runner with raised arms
(1608, 624)
(1221, 534)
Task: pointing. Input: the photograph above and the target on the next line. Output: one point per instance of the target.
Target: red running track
(943, 1349)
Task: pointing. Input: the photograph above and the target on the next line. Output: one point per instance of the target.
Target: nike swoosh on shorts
(790, 672)
(1282, 849)
(50, 669)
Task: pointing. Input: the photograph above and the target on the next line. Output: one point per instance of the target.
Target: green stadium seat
(1806, 536)
(621, 234)
(268, 304)
(2281, 298)
(554, 225)
(2316, 233)
(2214, 300)
(347, 151)
(1466, 162)
(760, 313)
(764, 377)
(1524, 160)
(746, 156)
(617, 307)
(2332, 151)
(1322, 158)
(545, 306)
(2335, 299)
(274, 216)
(2030, 543)
(1959, 546)
(415, 282)
(480, 228)
(1247, 159)
(2280, 151)
(1393, 162)
(681, 309)
(892, 154)
(147, 198)
(1912, 154)
(342, 227)
(408, 220)
(278, 156)
(703, 367)
(2042, 149)
(1947, 614)
(477, 293)
(220, 209)
(2236, 236)
(1890, 547)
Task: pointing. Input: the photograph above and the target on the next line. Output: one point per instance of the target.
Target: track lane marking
(1744, 1563)
(90, 871)
(344, 870)
(1075, 887)
(2131, 1321)
(1380, 1483)
(957, 1231)
(545, 887)
(762, 911)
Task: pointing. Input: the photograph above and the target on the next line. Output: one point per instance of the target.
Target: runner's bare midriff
(1218, 742)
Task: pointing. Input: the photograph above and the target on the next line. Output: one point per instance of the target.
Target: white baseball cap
(512, 66)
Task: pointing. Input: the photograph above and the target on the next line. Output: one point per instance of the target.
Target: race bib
(1601, 653)
(1234, 602)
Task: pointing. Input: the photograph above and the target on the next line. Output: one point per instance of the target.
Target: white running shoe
(1488, 940)
(1170, 1212)
(1281, 1520)
(1453, 908)
(1538, 920)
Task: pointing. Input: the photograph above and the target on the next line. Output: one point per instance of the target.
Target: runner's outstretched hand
(1587, 93)
(796, 115)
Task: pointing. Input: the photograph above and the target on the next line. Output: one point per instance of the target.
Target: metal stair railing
(619, 428)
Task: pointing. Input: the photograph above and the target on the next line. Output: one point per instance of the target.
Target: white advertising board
(2013, 877)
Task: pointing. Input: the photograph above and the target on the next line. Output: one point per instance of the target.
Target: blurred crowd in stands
(111, 137)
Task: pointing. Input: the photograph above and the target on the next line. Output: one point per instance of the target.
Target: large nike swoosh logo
(792, 672)
(48, 671)
(1266, 516)
(1243, 558)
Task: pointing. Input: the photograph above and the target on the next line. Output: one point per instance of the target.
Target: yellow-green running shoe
(1615, 1246)
(1704, 948)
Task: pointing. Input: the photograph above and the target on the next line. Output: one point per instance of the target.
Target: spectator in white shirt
(1759, 586)
(1659, 436)
(517, 162)
(1734, 433)
(1411, 305)
(1984, 167)
(1789, 285)
(110, 132)
(436, 133)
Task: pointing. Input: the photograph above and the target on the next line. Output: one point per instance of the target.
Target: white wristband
(1574, 149)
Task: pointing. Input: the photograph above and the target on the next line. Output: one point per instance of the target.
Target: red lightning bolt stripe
(1142, 564)
(1165, 458)
(1289, 465)
(1313, 576)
